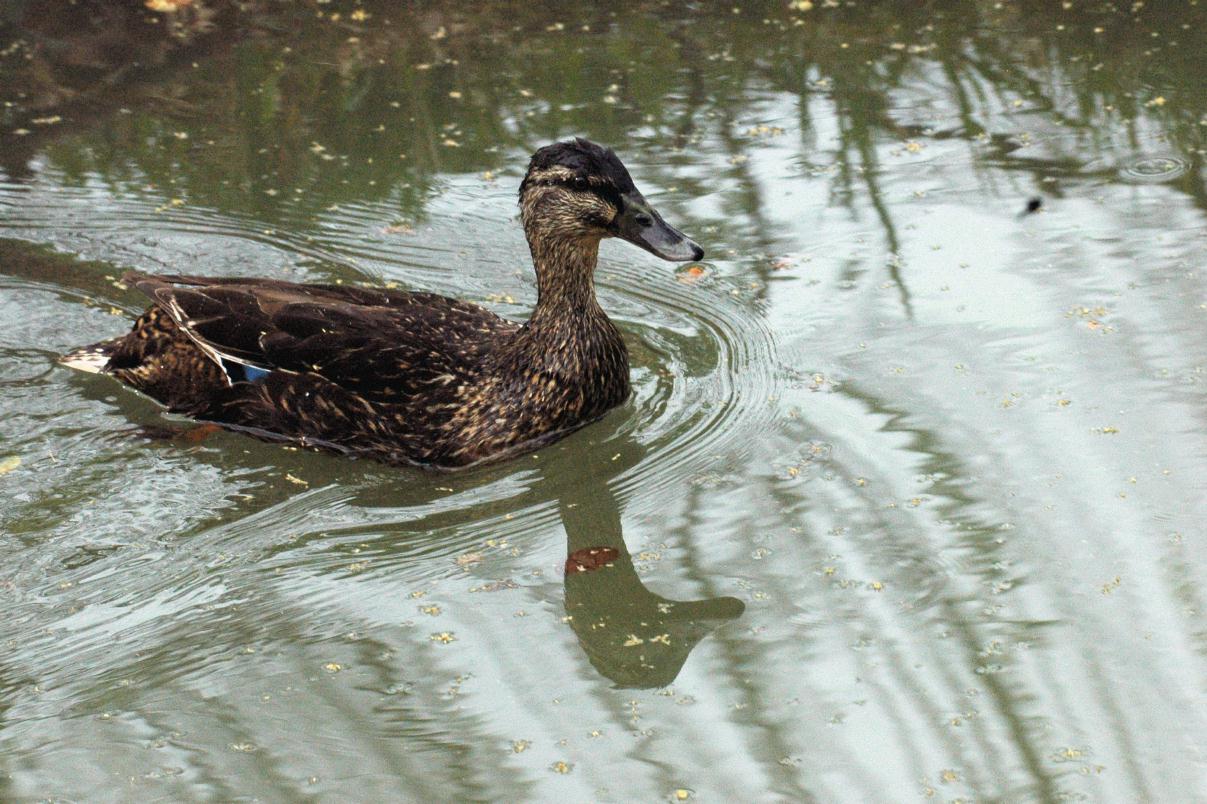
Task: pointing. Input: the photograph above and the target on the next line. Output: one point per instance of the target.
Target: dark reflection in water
(632, 635)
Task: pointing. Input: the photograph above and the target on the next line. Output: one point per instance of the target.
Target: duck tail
(93, 359)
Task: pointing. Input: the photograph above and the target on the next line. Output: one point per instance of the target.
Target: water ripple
(1154, 169)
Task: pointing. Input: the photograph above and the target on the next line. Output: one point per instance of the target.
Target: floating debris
(496, 586)
(167, 6)
(764, 131)
(468, 560)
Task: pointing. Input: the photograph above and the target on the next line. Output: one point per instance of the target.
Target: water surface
(908, 501)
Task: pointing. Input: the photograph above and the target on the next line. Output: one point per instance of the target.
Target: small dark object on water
(1033, 205)
(406, 377)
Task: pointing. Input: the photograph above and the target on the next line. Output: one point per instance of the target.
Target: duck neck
(568, 339)
(565, 282)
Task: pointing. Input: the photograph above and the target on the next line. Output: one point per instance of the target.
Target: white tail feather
(90, 359)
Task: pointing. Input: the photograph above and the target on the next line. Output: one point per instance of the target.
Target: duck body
(401, 377)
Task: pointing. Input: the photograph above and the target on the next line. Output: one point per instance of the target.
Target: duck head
(580, 191)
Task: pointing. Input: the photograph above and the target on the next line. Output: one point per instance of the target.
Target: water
(908, 501)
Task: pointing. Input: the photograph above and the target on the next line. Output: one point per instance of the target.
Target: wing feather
(383, 345)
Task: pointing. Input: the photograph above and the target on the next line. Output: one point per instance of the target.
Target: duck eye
(580, 182)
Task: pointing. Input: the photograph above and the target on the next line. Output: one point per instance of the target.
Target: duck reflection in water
(631, 635)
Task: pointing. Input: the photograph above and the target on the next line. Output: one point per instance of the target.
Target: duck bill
(641, 225)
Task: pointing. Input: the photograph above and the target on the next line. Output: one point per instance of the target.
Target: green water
(908, 502)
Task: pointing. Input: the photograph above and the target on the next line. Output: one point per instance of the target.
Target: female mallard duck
(407, 377)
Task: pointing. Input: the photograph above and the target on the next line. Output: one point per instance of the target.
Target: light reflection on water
(906, 499)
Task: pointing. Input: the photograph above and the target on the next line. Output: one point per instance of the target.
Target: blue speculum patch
(252, 373)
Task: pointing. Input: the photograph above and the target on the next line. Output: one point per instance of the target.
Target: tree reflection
(294, 109)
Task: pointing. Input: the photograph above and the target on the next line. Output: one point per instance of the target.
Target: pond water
(908, 502)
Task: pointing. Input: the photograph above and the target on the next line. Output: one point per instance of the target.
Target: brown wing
(383, 345)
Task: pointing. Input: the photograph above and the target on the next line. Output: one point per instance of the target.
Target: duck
(406, 377)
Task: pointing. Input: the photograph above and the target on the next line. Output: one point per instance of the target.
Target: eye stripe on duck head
(567, 179)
